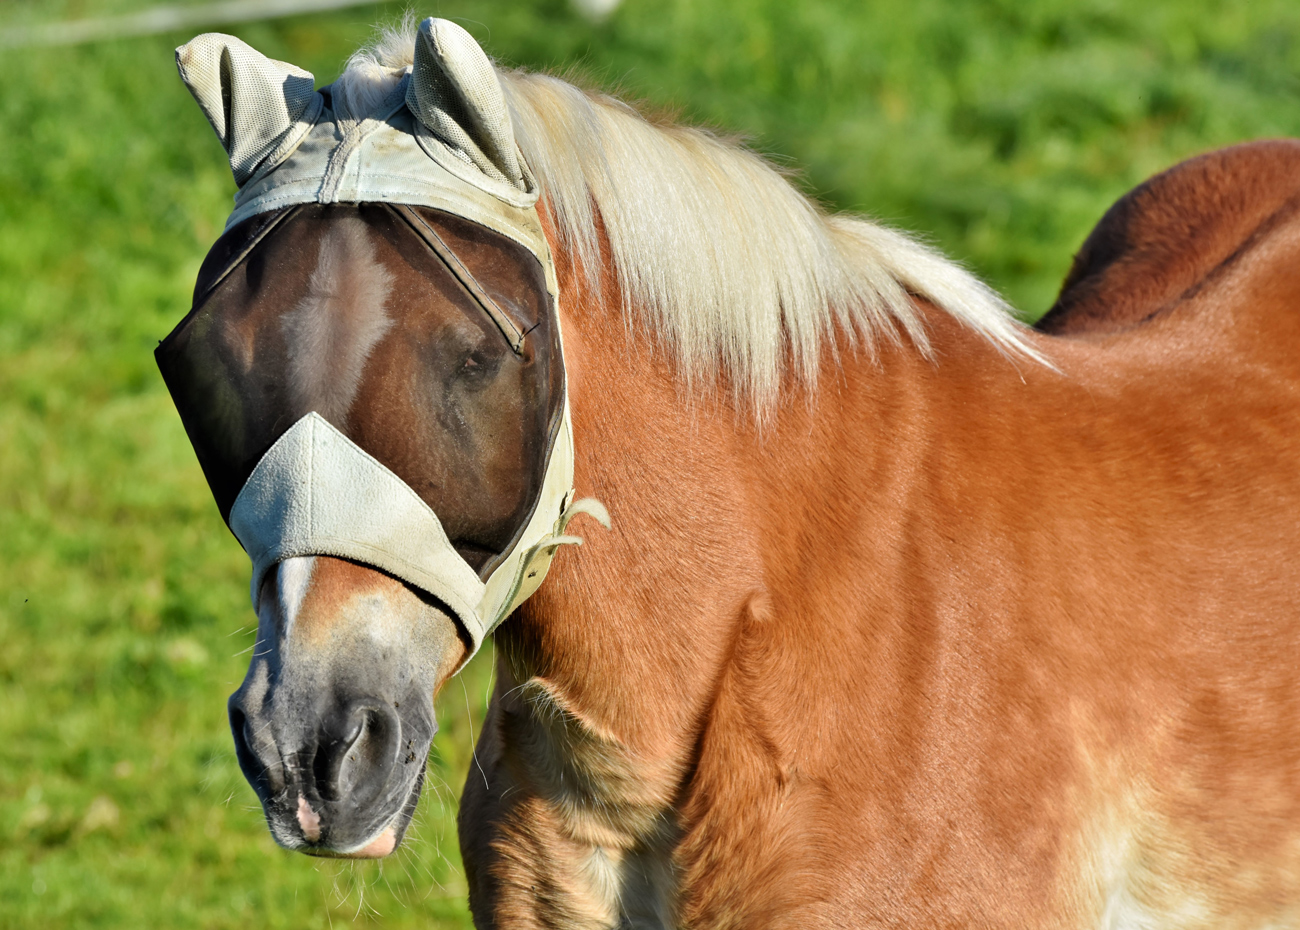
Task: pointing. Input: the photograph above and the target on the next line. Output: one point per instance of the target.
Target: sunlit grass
(1000, 130)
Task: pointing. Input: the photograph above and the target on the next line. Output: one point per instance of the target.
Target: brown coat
(970, 642)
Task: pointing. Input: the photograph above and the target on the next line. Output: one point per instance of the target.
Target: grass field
(1000, 129)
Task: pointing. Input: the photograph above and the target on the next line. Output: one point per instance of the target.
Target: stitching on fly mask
(442, 139)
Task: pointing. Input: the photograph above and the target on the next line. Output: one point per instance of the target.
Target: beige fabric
(316, 492)
(260, 108)
(454, 92)
(385, 162)
(287, 146)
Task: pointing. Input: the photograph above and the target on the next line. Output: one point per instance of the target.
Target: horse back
(1158, 245)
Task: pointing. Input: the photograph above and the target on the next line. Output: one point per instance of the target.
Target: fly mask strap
(514, 335)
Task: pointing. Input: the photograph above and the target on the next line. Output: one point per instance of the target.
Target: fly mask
(372, 377)
(431, 180)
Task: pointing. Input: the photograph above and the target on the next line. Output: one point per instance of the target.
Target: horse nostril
(267, 777)
(356, 764)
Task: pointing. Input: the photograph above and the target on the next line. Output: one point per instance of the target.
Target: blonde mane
(715, 252)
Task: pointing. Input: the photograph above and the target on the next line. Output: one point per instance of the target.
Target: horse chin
(381, 846)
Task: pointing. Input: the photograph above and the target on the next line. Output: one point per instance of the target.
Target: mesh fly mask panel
(349, 312)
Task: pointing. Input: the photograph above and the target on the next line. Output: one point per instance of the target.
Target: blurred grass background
(998, 129)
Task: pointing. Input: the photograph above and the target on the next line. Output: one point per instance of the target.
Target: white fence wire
(165, 19)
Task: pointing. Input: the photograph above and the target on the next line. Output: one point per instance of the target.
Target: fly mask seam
(332, 180)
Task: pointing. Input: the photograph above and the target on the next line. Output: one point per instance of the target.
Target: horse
(906, 614)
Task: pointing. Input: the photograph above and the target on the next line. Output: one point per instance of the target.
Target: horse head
(372, 378)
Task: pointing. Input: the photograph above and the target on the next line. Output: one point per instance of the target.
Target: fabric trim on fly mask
(442, 139)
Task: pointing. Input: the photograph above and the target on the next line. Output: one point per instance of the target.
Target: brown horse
(907, 617)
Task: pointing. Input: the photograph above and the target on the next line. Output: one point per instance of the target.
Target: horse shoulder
(1163, 239)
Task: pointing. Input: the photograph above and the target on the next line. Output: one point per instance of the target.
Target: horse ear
(254, 103)
(454, 92)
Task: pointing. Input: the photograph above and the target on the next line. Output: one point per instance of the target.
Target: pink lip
(377, 848)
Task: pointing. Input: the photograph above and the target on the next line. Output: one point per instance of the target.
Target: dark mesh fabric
(439, 398)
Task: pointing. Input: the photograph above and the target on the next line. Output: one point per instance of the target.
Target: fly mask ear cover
(442, 138)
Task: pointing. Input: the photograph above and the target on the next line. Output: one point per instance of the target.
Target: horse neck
(712, 516)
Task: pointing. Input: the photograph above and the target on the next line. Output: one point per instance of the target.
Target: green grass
(1000, 130)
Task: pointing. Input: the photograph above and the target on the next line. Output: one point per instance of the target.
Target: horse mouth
(314, 829)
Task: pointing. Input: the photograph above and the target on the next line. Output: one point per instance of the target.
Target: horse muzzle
(347, 786)
(333, 723)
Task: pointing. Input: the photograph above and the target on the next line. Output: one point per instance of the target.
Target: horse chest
(585, 830)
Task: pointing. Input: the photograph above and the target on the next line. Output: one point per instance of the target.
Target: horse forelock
(715, 253)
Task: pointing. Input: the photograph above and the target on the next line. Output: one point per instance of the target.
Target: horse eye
(477, 367)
